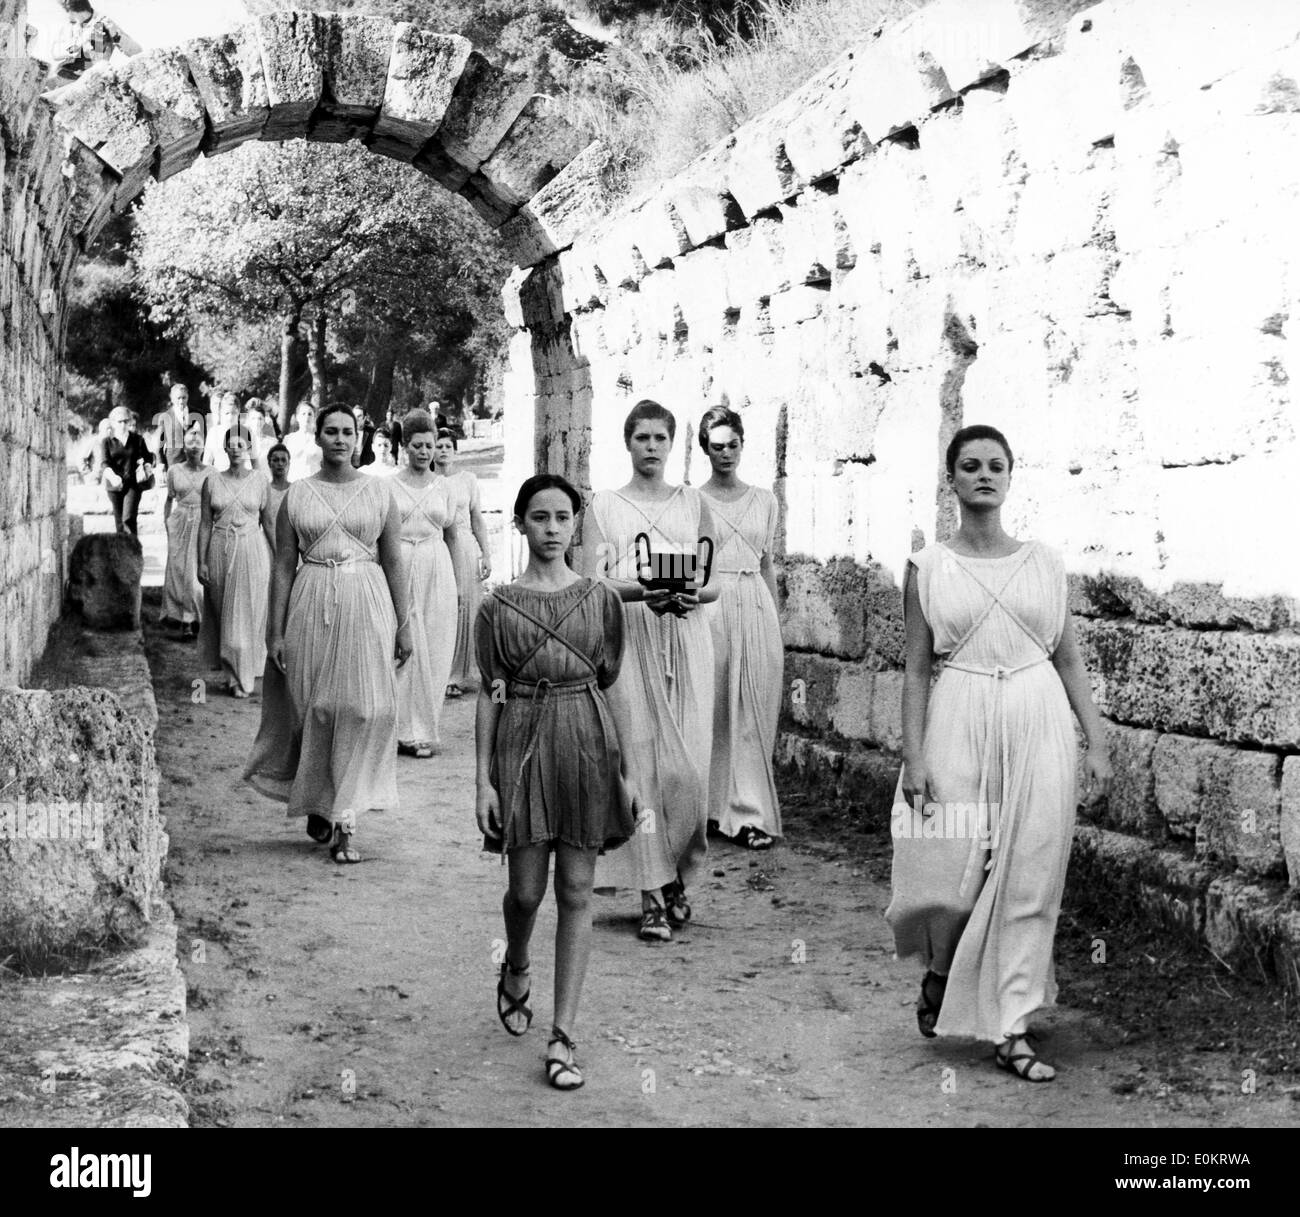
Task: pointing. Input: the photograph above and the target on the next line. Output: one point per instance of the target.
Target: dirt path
(781, 1006)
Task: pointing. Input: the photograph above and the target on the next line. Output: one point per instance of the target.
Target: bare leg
(575, 871)
(523, 898)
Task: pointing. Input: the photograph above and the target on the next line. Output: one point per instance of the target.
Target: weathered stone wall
(1075, 222)
(35, 262)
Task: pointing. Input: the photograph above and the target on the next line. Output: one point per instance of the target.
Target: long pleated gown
(979, 896)
(328, 739)
(239, 573)
(182, 593)
(662, 701)
(422, 681)
(462, 494)
(749, 663)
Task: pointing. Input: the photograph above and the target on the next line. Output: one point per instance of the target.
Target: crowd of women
(628, 703)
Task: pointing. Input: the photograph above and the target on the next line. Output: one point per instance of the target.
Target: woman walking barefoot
(978, 901)
(182, 592)
(422, 501)
(235, 565)
(468, 542)
(663, 704)
(748, 656)
(328, 739)
(548, 758)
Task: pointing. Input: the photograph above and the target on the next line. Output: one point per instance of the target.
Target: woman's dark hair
(979, 431)
(647, 409)
(386, 431)
(274, 448)
(545, 481)
(238, 432)
(328, 410)
(417, 422)
(444, 433)
(720, 416)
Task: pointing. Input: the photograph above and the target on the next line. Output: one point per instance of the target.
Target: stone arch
(429, 100)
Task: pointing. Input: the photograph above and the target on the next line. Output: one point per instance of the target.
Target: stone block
(166, 91)
(1233, 686)
(1240, 823)
(821, 134)
(229, 75)
(759, 174)
(892, 88)
(842, 609)
(565, 207)
(1290, 816)
(484, 107)
(423, 71)
(91, 186)
(293, 55)
(435, 163)
(104, 580)
(105, 115)
(705, 208)
(88, 872)
(356, 52)
(1131, 805)
(540, 143)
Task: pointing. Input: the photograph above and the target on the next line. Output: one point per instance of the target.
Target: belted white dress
(327, 745)
(977, 882)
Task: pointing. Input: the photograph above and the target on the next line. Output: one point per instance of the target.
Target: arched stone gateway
(426, 99)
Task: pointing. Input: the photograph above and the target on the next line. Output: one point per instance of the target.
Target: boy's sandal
(513, 1005)
(676, 906)
(654, 925)
(320, 830)
(341, 850)
(927, 1009)
(562, 1074)
(750, 837)
(1021, 1063)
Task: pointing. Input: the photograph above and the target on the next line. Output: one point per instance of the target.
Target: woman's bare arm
(918, 659)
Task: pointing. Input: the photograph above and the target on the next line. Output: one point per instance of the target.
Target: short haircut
(238, 432)
(327, 411)
(647, 409)
(443, 433)
(720, 416)
(417, 422)
(545, 481)
(978, 431)
(274, 448)
(77, 6)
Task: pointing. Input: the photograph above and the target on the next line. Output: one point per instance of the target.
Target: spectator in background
(172, 425)
(124, 465)
(84, 39)
(304, 452)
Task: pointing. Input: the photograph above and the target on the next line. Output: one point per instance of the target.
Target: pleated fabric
(662, 701)
(233, 634)
(327, 743)
(749, 666)
(182, 593)
(462, 494)
(556, 764)
(275, 498)
(422, 681)
(977, 884)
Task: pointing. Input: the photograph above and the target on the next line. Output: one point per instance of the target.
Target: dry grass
(656, 109)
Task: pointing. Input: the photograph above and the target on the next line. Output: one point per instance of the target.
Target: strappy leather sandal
(562, 1074)
(927, 1010)
(513, 1005)
(654, 925)
(320, 830)
(341, 849)
(1021, 1063)
(676, 906)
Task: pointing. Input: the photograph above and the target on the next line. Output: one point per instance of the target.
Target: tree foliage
(271, 234)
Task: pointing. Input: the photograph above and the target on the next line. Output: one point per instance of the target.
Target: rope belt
(335, 564)
(995, 739)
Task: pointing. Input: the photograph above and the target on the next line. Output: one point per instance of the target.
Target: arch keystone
(292, 58)
(357, 53)
(482, 110)
(569, 204)
(539, 144)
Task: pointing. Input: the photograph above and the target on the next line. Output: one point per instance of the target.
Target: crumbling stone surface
(104, 580)
(81, 838)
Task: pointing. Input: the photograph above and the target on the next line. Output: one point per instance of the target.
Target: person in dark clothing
(124, 466)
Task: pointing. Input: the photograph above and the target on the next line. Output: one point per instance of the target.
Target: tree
(319, 234)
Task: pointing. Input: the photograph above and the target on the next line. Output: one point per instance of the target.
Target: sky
(151, 23)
